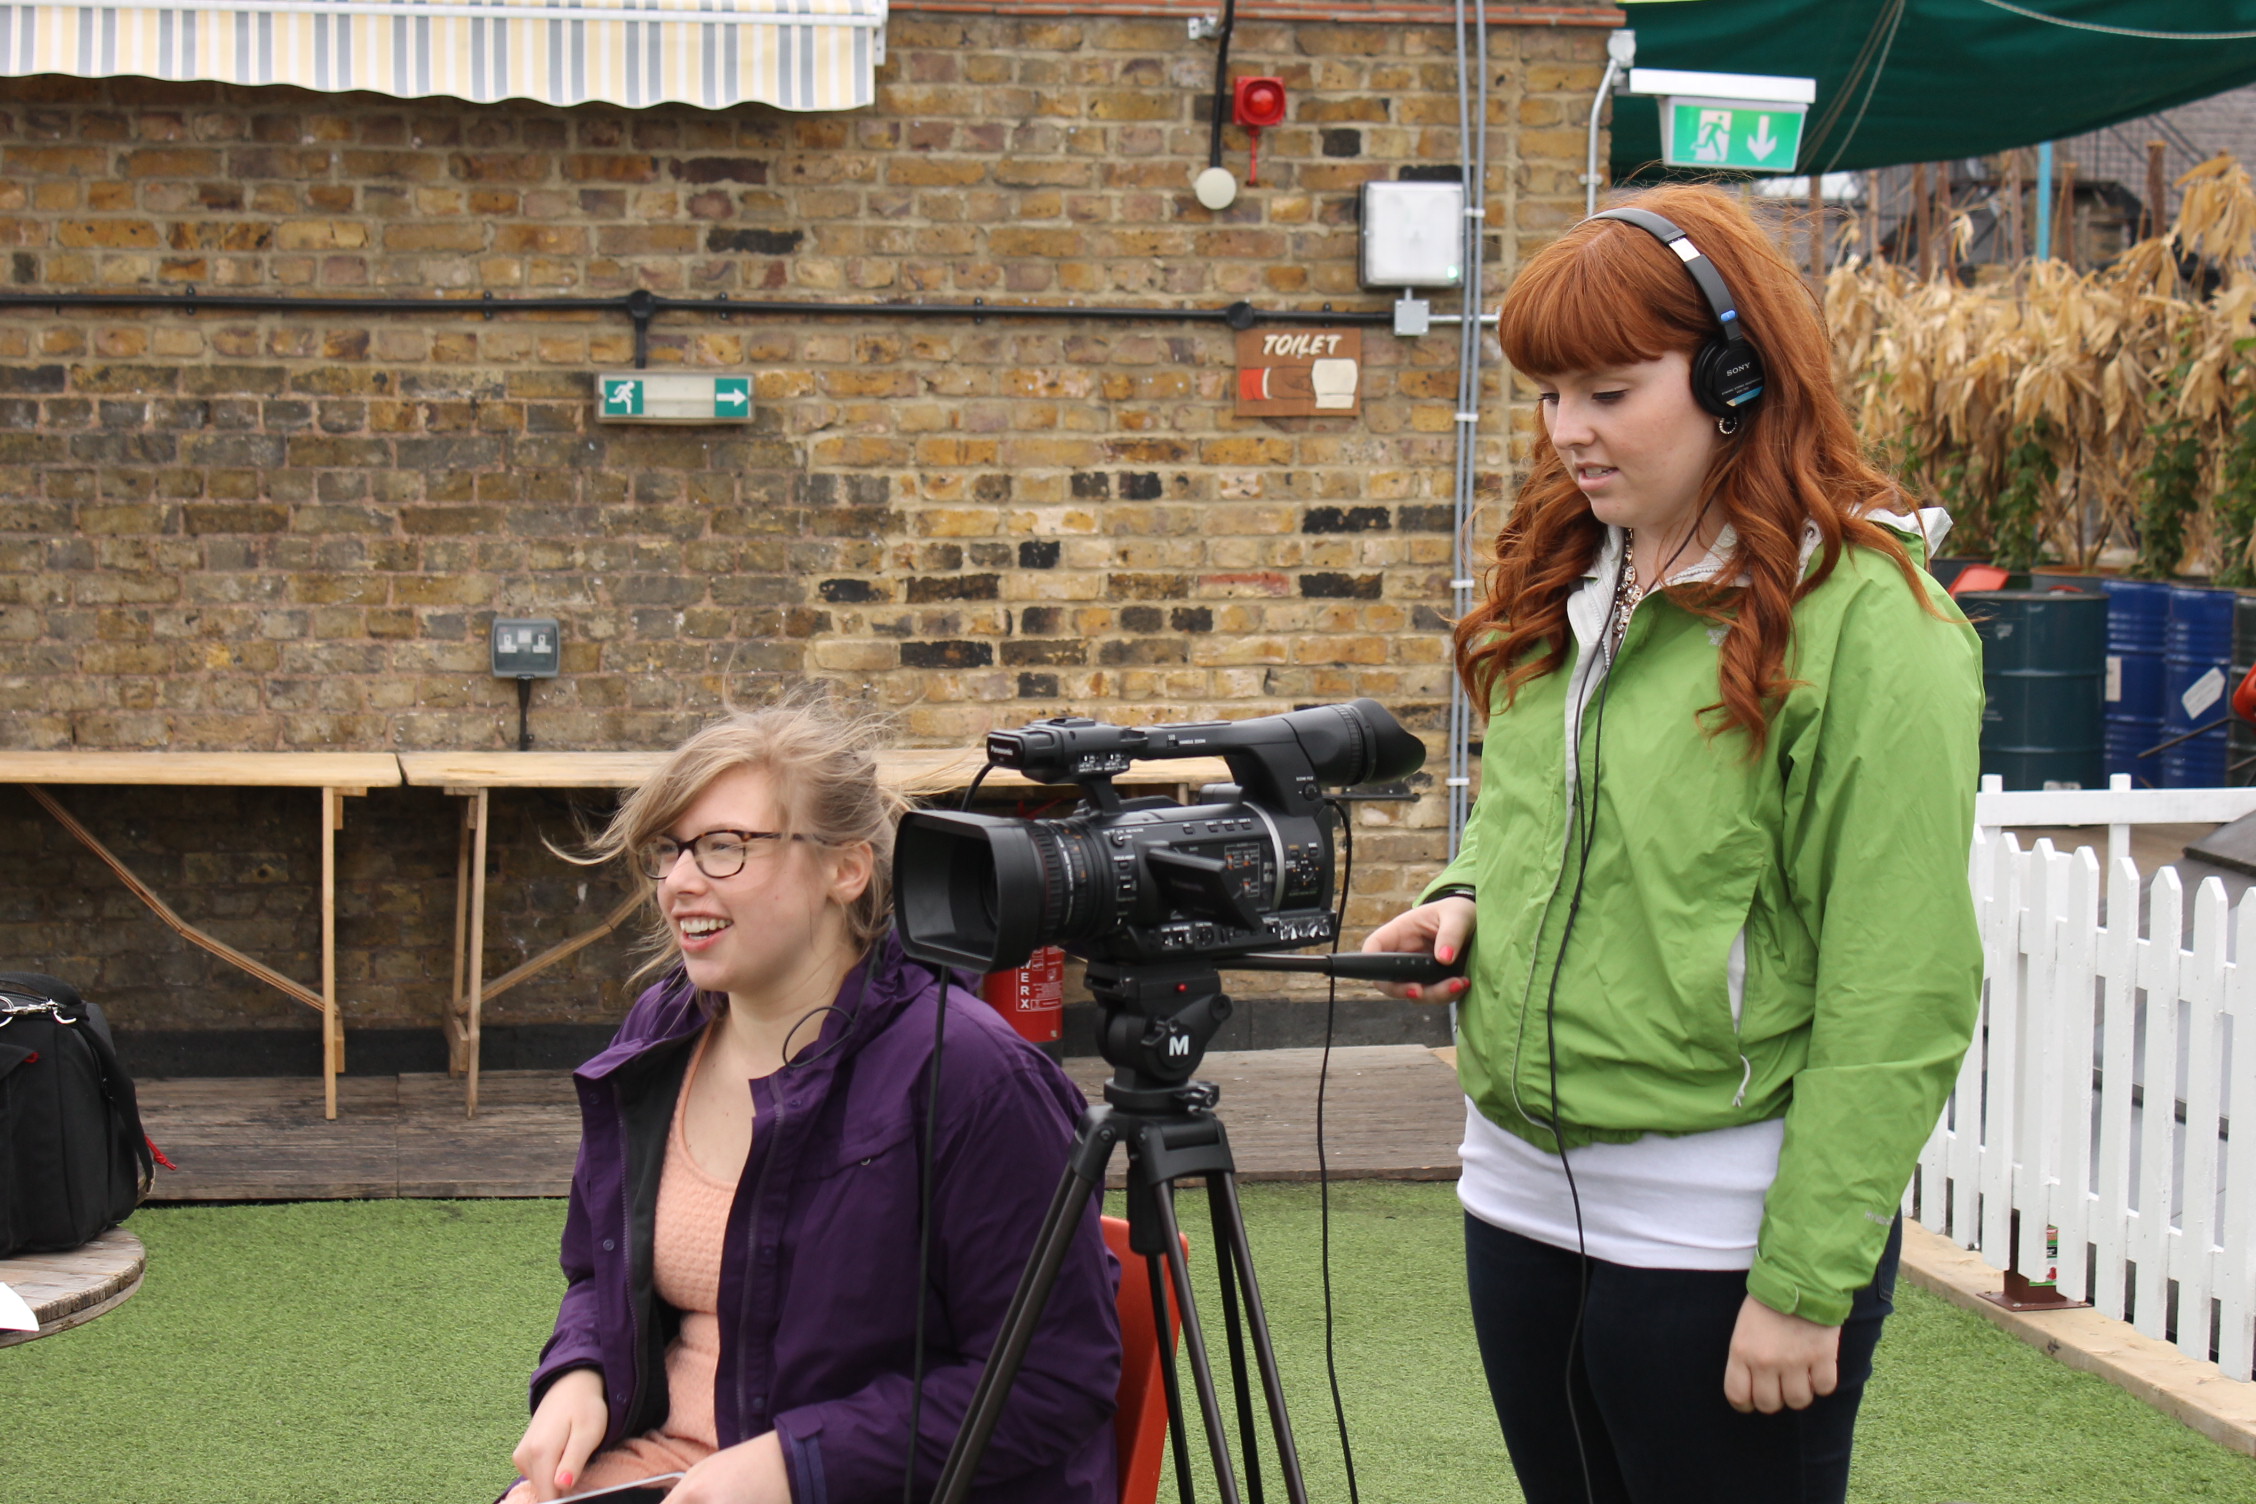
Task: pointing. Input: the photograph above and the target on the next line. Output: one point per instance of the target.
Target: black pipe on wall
(642, 306)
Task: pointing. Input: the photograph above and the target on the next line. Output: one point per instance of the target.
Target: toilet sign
(1300, 373)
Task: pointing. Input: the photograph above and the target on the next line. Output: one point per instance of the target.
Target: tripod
(1156, 1024)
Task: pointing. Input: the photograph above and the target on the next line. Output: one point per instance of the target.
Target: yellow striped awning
(795, 54)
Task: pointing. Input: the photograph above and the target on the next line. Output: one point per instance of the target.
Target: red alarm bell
(1254, 103)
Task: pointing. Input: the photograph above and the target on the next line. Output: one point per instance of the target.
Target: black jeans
(1647, 1381)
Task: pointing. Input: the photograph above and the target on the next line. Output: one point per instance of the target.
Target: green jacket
(1789, 936)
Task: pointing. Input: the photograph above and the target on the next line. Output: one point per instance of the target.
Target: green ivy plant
(1942, 475)
(2236, 496)
(2170, 484)
(2016, 513)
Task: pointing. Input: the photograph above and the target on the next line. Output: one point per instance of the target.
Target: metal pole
(1817, 229)
(2157, 191)
(1871, 217)
(1590, 164)
(2016, 244)
(1923, 221)
(2044, 201)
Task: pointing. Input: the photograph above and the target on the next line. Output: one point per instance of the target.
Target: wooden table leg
(458, 1013)
(332, 1029)
(475, 995)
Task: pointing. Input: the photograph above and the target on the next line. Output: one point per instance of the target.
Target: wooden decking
(1392, 1112)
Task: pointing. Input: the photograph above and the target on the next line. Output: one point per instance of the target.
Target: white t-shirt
(1693, 1201)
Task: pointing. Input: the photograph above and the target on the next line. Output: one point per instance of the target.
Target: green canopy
(1930, 80)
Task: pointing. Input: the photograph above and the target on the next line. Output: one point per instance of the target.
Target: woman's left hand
(1779, 1361)
(751, 1472)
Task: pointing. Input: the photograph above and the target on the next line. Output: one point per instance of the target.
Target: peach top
(693, 1208)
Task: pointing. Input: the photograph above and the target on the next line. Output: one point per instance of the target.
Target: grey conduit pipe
(1590, 162)
(1472, 134)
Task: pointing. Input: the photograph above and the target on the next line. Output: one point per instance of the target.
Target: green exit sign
(1743, 135)
(672, 397)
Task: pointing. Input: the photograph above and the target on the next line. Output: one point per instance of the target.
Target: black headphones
(1727, 372)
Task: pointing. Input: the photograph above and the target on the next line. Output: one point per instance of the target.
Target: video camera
(1158, 897)
(1141, 881)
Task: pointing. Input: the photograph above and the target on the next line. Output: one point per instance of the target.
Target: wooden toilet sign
(1300, 373)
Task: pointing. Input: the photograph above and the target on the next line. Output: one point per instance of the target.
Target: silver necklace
(1632, 590)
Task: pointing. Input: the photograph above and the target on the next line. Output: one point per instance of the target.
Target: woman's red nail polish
(564, 1481)
(1445, 955)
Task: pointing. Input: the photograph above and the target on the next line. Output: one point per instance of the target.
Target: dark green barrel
(2044, 669)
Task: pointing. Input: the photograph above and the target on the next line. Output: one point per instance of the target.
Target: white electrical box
(1413, 234)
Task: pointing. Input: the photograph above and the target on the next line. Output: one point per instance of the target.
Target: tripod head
(1159, 1018)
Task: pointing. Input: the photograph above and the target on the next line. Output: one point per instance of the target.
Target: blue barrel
(2138, 619)
(2044, 663)
(2196, 668)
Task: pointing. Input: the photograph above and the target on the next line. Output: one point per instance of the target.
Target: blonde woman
(741, 1250)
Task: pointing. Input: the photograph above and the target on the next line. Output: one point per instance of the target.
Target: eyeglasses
(717, 853)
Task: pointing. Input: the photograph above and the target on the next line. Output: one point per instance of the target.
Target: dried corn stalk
(2031, 405)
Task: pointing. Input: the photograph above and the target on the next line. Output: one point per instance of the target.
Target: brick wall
(290, 531)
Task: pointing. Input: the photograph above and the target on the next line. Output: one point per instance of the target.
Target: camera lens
(1071, 907)
(982, 891)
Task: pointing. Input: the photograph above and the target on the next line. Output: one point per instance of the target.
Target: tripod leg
(1194, 1341)
(1240, 1253)
(1180, 1444)
(1033, 1293)
(1248, 1438)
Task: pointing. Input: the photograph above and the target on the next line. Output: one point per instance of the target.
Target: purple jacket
(820, 1256)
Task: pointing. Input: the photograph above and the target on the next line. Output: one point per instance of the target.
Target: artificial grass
(377, 1351)
(1957, 1410)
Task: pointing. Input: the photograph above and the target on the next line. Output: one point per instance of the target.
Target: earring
(1727, 426)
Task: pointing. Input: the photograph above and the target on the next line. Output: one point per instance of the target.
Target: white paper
(2203, 692)
(15, 1316)
(2114, 678)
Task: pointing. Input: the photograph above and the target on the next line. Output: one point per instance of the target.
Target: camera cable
(924, 1192)
(1323, 1169)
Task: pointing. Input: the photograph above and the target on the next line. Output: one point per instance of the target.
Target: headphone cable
(924, 1194)
(1323, 1170)
(1586, 830)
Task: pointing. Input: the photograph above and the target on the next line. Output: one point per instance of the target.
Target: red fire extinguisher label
(1032, 996)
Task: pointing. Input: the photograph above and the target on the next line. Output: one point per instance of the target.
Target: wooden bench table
(335, 774)
(70, 1289)
(473, 776)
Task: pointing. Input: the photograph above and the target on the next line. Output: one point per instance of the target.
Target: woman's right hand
(1442, 928)
(566, 1429)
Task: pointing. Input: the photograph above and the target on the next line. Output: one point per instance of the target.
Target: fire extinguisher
(1031, 997)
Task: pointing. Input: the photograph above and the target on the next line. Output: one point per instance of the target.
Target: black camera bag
(73, 1158)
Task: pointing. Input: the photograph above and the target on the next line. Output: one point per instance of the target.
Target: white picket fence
(2061, 1113)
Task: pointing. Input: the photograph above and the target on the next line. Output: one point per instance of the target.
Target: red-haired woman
(1723, 956)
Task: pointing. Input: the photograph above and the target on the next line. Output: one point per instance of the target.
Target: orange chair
(1979, 577)
(1139, 1424)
